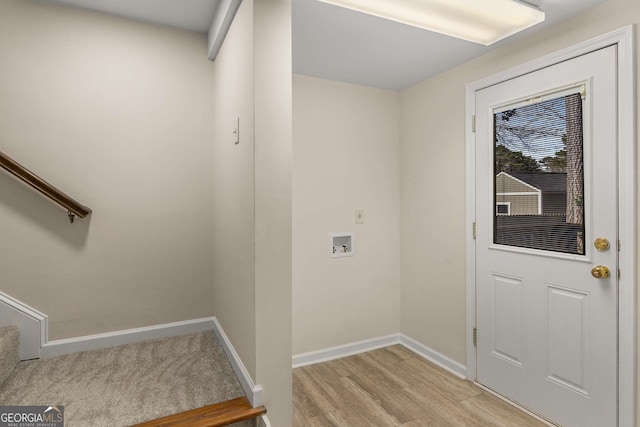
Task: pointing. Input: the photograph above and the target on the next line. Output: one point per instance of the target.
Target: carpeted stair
(237, 412)
(9, 351)
(128, 384)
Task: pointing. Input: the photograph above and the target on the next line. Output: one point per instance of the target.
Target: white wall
(117, 114)
(432, 217)
(134, 121)
(252, 193)
(273, 157)
(346, 157)
(233, 187)
(433, 151)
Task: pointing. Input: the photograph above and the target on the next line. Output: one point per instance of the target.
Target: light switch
(236, 133)
(359, 216)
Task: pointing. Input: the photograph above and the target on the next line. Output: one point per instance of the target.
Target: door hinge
(474, 230)
(475, 337)
(473, 124)
(619, 246)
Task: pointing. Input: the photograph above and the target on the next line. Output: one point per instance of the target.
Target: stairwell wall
(117, 113)
(252, 190)
(233, 256)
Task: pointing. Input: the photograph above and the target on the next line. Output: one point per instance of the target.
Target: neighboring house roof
(521, 185)
(548, 182)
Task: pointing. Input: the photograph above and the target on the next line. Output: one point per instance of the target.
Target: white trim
(263, 421)
(627, 223)
(254, 392)
(470, 216)
(507, 204)
(627, 214)
(539, 97)
(127, 336)
(222, 20)
(338, 352)
(31, 323)
(457, 369)
(519, 194)
(540, 203)
(332, 353)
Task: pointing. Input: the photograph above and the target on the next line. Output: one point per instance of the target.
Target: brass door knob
(601, 244)
(601, 272)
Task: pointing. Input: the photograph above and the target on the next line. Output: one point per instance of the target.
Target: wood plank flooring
(394, 387)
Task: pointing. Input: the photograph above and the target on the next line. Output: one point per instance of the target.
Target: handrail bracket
(73, 207)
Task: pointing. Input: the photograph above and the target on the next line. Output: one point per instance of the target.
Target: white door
(546, 190)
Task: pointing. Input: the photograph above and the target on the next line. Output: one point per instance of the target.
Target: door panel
(546, 188)
(507, 319)
(567, 313)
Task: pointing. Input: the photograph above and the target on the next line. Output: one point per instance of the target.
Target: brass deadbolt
(601, 244)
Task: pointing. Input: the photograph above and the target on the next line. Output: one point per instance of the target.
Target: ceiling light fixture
(484, 22)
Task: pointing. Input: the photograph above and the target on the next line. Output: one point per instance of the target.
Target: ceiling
(194, 15)
(344, 45)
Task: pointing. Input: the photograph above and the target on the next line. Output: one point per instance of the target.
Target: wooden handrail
(16, 169)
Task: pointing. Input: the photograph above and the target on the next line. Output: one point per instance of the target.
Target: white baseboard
(332, 353)
(345, 350)
(127, 336)
(263, 421)
(433, 356)
(254, 392)
(31, 323)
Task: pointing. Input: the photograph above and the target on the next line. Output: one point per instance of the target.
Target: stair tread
(219, 414)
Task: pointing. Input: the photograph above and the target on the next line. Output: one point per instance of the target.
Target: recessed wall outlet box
(340, 244)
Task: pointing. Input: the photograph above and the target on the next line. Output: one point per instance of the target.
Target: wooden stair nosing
(216, 415)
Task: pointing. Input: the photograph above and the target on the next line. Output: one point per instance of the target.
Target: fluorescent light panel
(478, 21)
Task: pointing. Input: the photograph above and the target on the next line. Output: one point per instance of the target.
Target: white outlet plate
(359, 216)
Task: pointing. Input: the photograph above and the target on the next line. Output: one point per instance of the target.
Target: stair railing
(73, 207)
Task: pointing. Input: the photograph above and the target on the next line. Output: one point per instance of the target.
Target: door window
(539, 175)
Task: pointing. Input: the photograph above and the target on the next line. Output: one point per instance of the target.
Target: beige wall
(433, 146)
(134, 121)
(521, 204)
(273, 157)
(346, 157)
(117, 114)
(233, 238)
(252, 193)
(507, 184)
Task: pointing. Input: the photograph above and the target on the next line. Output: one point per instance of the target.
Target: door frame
(627, 215)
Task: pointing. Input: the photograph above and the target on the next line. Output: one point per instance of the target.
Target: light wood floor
(394, 387)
